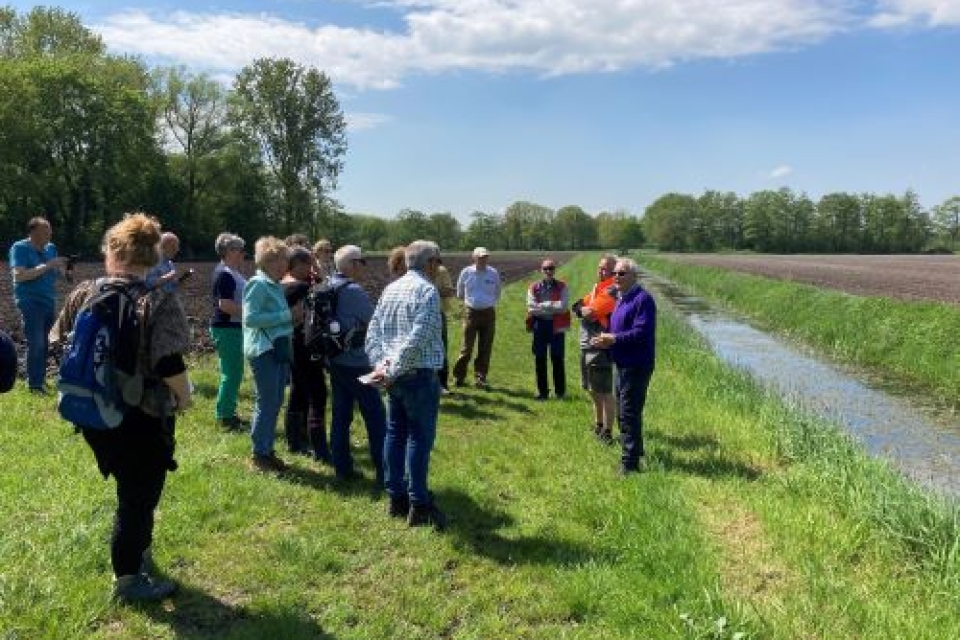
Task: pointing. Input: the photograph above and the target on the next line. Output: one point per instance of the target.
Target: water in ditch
(923, 443)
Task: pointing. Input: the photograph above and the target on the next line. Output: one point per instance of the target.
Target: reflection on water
(925, 447)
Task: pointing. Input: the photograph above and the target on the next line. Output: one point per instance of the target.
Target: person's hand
(57, 263)
(586, 313)
(602, 341)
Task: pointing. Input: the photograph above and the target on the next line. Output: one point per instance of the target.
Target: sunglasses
(549, 268)
(362, 261)
(622, 273)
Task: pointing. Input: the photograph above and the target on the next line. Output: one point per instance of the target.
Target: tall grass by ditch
(913, 343)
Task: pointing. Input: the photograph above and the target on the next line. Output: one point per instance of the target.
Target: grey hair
(609, 257)
(629, 264)
(345, 256)
(227, 241)
(419, 252)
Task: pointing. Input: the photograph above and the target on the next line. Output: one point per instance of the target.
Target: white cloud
(933, 13)
(548, 37)
(363, 121)
(782, 171)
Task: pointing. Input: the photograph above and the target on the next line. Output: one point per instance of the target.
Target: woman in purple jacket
(631, 343)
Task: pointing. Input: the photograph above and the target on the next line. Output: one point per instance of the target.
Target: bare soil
(904, 277)
(196, 290)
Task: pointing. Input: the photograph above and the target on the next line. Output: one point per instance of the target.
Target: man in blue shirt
(405, 344)
(36, 267)
(354, 309)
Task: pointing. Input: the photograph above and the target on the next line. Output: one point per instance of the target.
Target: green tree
(946, 220)
(619, 230)
(838, 222)
(485, 230)
(444, 229)
(724, 211)
(667, 221)
(574, 229)
(295, 119)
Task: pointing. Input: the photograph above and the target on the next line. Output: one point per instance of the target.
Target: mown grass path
(752, 522)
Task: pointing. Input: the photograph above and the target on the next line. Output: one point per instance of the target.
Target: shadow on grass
(361, 485)
(700, 455)
(193, 614)
(475, 529)
(477, 405)
(205, 389)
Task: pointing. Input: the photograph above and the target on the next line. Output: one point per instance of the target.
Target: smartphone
(186, 274)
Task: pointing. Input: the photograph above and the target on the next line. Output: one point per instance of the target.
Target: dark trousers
(307, 403)
(632, 383)
(547, 342)
(347, 391)
(444, 373)
(479, 325)
(138, 454)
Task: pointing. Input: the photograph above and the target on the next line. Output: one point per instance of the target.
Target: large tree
(292, 114)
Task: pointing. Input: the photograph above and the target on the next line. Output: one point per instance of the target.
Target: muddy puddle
(922, 442)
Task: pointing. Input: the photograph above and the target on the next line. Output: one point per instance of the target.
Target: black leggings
(138, 455)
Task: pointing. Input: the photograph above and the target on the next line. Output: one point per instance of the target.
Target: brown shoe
(268, 463)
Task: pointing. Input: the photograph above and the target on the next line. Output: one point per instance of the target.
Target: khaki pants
(479, 325)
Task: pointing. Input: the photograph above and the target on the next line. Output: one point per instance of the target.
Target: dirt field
(196, 290)
(905, 277)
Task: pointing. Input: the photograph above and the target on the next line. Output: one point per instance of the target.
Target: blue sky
(466, 105)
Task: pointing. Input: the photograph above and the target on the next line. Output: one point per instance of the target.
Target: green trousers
(229, 344)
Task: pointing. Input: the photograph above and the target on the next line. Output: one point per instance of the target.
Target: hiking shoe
(233, 423)
(481, 383)
(426, 514)
(269, 463)
(399, 506)
(141, 588)
(627, 468)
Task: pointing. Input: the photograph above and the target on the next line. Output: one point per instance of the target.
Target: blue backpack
(99, 377)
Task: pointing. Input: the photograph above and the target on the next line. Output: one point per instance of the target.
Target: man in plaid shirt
(405, 346)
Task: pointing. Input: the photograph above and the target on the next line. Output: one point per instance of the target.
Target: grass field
(752, 522)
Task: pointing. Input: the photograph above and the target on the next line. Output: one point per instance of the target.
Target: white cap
(480, 252)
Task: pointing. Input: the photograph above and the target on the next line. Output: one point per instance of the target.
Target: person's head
(39, 231)
(230, 248)
(297, 240)
(323, 250)
(300, 263)
(349, 261)
(397, 262)
(422, 255)
(480, 256)
(625, 273)
(605, 268)
(548, 268)
(271, 255)
(132, 245)
(169, 245)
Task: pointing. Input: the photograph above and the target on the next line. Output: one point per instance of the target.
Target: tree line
(86, 135)
(782, 221)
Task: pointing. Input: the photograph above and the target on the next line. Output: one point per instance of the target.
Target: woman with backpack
(139, 452)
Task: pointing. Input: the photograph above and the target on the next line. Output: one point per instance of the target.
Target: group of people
(396, 349)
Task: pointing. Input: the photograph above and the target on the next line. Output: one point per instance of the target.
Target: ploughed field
(196, 290)
(905, 277)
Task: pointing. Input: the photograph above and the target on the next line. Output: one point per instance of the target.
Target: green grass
(752, 522)
(916, 344)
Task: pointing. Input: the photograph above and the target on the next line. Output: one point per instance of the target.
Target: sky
(470, 105)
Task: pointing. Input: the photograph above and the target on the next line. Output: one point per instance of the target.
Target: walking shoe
(482, 383)
(598, 429)
(605, 436)
(39, 391)
(141, 588)
(233, 423)
(426, 514)
(399, 506)
(459, 382)
(269, 463)
(540, 398)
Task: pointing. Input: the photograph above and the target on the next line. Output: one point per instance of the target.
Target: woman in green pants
(226, 328)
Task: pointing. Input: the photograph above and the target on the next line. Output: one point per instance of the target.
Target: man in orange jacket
(596, 367)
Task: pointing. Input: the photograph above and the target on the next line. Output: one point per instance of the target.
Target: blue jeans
(37, 321)
(270, 382)
(413, 401)
(347, 390)
(632, 383)
(546, 341)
